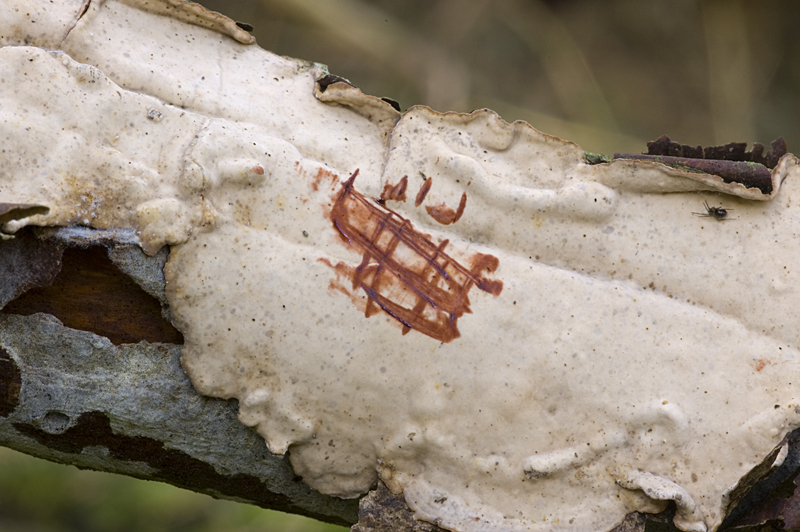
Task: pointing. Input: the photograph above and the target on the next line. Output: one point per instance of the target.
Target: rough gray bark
(74, 397)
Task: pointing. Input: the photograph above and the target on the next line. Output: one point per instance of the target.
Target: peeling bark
(112, 396)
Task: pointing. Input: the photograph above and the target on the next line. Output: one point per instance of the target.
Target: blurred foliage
(40, 496)
(608, 75)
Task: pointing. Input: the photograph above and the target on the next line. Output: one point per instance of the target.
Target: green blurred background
(40, 496)
(608, 75)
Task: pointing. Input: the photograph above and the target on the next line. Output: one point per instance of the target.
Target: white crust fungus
(513, 339)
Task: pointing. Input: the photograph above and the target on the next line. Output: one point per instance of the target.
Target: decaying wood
(89, 376)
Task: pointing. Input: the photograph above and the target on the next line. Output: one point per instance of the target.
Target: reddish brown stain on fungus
(402, 272)
(761, 363)
(257, 169)
(322, 175)
(444, 214)
(395, 192)
(423, 191)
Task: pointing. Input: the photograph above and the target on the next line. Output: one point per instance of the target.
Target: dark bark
(90, 376)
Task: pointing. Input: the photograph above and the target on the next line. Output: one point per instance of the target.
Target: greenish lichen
(595, 158)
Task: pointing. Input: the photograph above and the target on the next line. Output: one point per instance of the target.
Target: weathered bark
(90, 376)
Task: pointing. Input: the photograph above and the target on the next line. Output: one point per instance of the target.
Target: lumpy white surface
(636, 353)
(563, 389)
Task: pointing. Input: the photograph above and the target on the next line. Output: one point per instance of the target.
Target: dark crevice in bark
(93, 429)
(91, 294)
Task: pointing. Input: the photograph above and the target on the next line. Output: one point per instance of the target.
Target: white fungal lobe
(513, 339)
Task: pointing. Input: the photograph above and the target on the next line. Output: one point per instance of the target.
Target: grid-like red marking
(404, 273)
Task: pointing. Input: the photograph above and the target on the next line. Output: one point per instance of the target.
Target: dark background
(608, 75)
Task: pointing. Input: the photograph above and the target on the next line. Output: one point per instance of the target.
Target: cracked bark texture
(118, 401)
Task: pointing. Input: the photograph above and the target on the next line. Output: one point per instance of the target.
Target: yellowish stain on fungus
(622, 364)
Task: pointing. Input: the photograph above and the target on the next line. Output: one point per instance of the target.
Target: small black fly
(718, 213)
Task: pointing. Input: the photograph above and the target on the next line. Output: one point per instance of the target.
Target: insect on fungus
(718, 213)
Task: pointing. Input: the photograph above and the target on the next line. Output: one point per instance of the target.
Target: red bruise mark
(402, 272)
(395, 192)
(444, 214)
(257, 169)
(423, 191)
(761, 363)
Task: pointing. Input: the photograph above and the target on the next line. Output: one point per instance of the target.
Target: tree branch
(116, 402)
